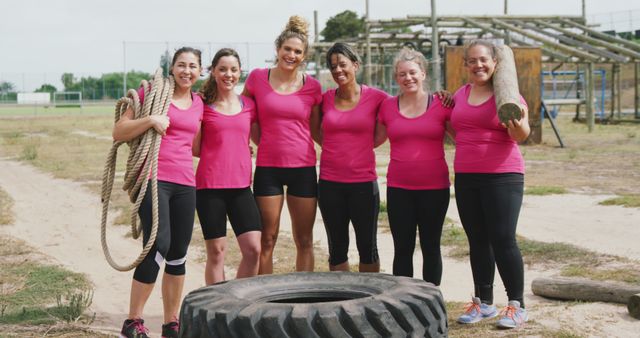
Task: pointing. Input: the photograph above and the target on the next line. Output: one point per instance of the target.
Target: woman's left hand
(518, 129)
(445, 97)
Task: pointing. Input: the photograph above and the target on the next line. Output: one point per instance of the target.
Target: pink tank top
(175, 161)
(285, 135)
(482, 144)
(347, 138)
(417, 150)
(225, 159)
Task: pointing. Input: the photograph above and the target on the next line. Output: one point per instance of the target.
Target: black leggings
(489, 205)
(356, 202)
(426, 210)
(176, 213)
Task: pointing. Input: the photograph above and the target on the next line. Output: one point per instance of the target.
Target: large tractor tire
(307, 304)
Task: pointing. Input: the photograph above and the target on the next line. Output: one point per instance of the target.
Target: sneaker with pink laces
(171, 330)
(134, 328)
(512, 316)
(477, 311)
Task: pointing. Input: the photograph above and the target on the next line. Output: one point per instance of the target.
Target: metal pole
(367, 66)
(124, 68)
(435, 53)
(316, 40)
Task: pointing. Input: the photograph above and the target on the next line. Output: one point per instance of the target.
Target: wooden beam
(606, 37)
(633, 305)
(546, 41)
(556, 55)
(573, 42)
(583, 289)
(586, 38)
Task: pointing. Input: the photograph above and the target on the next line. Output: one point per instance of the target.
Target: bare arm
(255, 133)
(128, 128)
(197, 140)
(316, 124)
(380, 135)
(519, 129)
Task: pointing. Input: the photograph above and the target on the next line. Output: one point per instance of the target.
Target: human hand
(160, 123)
(445, 97)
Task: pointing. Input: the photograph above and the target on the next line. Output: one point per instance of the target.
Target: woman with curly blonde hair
(287, 103)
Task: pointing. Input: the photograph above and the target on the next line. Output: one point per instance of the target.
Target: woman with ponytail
(223, 177)
(287, 103)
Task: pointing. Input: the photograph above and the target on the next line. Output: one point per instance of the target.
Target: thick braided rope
(140, 166)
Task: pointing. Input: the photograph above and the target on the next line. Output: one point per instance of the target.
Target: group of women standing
(283, 111)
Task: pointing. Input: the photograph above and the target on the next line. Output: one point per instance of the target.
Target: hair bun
(297, 24)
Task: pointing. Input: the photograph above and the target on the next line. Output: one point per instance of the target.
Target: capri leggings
(356, 202)
(176, 213)
(214, 205)
(424, 210)
(489, 205)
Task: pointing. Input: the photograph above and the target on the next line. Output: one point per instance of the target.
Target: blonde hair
(297, 27)
(411, 55)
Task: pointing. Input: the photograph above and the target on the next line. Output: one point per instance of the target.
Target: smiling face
(343, 69)
(291, 54)
(480, 64)
(186, 70)
(226, 73)
(410, 76)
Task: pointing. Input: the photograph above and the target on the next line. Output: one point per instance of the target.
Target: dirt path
(61, 219)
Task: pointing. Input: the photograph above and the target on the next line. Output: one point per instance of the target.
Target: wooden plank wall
(528, 66)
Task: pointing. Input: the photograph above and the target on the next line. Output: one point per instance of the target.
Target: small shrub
(30, 152)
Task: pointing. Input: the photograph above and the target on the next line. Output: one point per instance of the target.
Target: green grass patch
(32, 293)
(6, 208)
(544, 190)
(627, 201)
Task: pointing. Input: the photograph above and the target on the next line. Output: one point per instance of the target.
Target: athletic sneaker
(170, 330)
(134, 328)
(477, 311)
(512, 316)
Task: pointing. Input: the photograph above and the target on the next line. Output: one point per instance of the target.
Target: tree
(67, 81)
(165, 62)
(343, 25)
(6, 87)
(46, 88)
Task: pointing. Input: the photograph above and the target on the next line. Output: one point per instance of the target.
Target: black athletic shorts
(300, 182)
(213, 206)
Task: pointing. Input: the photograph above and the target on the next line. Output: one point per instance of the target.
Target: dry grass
(6, 205)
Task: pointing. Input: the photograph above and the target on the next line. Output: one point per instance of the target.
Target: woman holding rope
(489, 186)
(176, 195)
(288, 104)
(223, 177)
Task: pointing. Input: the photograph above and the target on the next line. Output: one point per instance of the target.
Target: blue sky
(41, 39)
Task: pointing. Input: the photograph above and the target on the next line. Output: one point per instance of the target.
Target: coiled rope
(142, 163)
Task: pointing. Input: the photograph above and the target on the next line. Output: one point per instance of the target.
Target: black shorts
(300, 182)
(213, 206)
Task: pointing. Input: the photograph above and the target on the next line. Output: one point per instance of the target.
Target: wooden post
(636, 95)
(583, 289)
(634, 306)
(619, 90)
(435, 49)
(316, 39)
(589, 96)
(367, 66)
(613, 89)
(505, 86)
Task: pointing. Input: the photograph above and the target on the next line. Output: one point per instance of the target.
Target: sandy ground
(61, 218)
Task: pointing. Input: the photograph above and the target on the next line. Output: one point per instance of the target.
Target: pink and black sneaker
(134, 328)
(170, 330)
